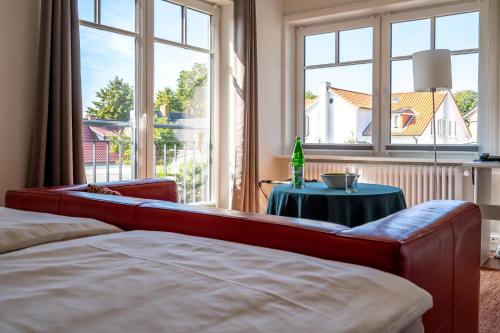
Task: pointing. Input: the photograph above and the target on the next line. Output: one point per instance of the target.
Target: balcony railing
(109, 155)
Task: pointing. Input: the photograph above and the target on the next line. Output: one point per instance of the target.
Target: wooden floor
(489, 301)
(492, 263)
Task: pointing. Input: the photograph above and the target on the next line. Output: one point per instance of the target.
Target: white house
(471, 120)
(343, 116)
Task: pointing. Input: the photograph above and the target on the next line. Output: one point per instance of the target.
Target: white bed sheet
(144, 281)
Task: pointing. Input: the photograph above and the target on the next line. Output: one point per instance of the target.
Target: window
(118, 60)
(182, 100)
(458, 32)
(337, 71)
(108, 70)
(342, 81)
(396, 121)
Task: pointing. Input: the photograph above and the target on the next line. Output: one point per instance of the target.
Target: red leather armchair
(436, 245)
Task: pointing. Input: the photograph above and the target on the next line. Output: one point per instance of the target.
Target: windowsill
(311, 156)
(429, 148)
(208, 204)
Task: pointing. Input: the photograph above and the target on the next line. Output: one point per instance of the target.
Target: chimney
(325, 116)
(164, 110)
(92, 117)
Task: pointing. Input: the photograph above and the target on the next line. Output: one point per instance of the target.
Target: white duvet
(20, 229)
(146, 282)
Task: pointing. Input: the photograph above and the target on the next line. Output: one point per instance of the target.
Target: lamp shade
(432, 70)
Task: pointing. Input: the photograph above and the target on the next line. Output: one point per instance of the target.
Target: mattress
(145, 281)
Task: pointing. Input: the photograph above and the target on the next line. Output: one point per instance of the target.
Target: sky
(452, 32)
(105, 55)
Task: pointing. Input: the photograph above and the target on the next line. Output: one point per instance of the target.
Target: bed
(69, 274)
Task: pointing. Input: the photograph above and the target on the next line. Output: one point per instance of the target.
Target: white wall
(297, 7)
(18, 58)
(292, 7)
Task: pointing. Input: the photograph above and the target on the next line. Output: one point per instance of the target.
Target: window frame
(98, 25)
(337, 27)
(381, 120)
(386, 50)
(143, 166)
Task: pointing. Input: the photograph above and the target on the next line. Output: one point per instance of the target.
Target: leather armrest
(438, 248)
(157, 189)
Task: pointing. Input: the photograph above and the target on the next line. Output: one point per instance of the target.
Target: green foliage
(164, 138)
(123, 139)
(466, 100)
(193, 167)
(188, 96)
(309, 95)
(167, 97)
(115, 101)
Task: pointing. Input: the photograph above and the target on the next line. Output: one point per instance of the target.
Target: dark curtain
(246, 173)
(56, 156)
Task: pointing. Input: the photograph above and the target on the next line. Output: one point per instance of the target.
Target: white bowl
(335, 180)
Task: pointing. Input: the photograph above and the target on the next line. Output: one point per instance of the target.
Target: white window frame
(144, 79)
(98, 25)
(381, 121)
(300, 68)
(411, 15)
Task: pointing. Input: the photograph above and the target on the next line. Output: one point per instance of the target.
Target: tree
(310, 95)
(466, 100)
(190, 88)
(189, 93)
(167, 97)
(115, 101)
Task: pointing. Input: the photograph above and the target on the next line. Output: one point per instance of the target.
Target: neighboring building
(343, 116)
(471, 121)
(99, 137)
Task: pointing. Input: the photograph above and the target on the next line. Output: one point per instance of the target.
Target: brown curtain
(56, 156)
(246, 173)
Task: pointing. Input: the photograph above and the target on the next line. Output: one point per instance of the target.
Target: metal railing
(106, 163)
(186, 162)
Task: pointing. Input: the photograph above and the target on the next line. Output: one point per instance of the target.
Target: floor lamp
(431, 73)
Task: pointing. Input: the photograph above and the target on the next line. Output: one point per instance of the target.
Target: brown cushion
(92, 188)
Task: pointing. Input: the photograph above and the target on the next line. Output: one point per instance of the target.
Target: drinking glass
(351, 178)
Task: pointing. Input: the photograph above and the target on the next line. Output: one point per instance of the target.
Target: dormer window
(396, 121)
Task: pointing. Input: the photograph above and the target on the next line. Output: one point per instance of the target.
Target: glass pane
(401, 76)
(198, 29)
(410, 37)
(118, 13)
(320, 49)
(356, 44)
(338, 104)
(108, 77)
(465, 69)
(411, 112)
(458, 32)
(86, 10)
(168, 21)
(182, 120)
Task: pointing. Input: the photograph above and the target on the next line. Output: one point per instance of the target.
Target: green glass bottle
(298, 162)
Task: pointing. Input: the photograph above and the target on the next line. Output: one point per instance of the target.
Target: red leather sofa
(436, 245)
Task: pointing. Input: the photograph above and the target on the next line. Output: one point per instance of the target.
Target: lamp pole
(433, 90)
(431, 73)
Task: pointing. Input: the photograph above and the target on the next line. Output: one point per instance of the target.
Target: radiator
(416, 181)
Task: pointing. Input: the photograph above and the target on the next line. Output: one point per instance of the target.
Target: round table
(318, 202)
